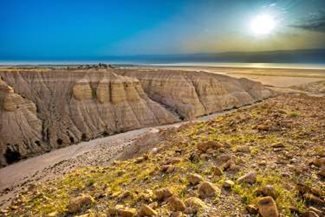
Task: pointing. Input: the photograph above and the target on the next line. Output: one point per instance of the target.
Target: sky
(70, 29)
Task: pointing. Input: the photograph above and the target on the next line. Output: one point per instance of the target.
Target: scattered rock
(146, 211)
(204, 147)
(243, 149)
(76, 204)
(228, 184)
(249, 178)
(122, 211)
(194, 179)
(207, 189)
(312, 199)
(168, 168)
(175, 204)
(277, 145)
(194, 204)
(217, 171)
(177, 214)
(267, 207)
(163, 194)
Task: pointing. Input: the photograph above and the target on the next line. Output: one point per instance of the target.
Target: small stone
(76, 204)
(217, 171)
(267, 207)
(194, 179)
(243, 149)
(163, 194)
(122, 211)
(310, 198)
(262, 163)
(168, 168)
(194, 204)
(249, 178)
(207, 189)
(319, 162)
(52, 214)
(203, 147)
(177, 214)
(317, 211)
(277, 145)
(228, 184)
(147, 211)
(176, 204)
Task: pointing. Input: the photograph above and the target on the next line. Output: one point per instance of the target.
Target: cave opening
(59, 141)
(71, 139)
(12, 156)
(84, 137)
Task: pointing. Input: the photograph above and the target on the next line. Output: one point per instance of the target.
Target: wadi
(141, 141)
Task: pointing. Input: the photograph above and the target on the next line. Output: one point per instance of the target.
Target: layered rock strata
(42, 110)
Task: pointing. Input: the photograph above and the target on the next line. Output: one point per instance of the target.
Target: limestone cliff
(193, 94)
(41, 110)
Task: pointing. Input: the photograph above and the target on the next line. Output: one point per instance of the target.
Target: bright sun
(262, 24)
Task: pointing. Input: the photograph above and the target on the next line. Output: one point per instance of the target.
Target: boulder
(267, 207)
(228, 184)
(208, 189)
(195, 204)
(175, 204)
(249, 178)
(147, 211)
(121, 211)
(76, 204)
(163, 194)
(194, 179)
(204, 147)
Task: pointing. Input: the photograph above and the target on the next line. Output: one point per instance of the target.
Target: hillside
(267, 159)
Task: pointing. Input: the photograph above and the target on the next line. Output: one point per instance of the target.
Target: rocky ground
(267, 159)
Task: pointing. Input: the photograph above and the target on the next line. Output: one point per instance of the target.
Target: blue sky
(64, 29)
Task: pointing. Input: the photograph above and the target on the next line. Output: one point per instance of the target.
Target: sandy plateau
(146, 141)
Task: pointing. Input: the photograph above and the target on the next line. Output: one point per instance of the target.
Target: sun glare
(262, 24)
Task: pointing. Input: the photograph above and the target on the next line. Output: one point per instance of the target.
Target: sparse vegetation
(285, 151)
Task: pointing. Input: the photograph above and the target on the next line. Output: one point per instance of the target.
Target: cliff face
(193, 94)
(41, 111)
(44, 110)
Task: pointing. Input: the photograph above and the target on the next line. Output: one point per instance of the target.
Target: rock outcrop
(41, 110)
(194, 94)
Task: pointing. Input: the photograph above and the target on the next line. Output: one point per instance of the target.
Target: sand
(276, 77)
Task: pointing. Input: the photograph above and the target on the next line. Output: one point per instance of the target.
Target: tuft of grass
(293, 114)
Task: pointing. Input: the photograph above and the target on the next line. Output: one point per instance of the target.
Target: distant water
(250, 65)
(157, 63)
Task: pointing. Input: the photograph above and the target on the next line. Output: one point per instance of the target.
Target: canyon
(44, 109)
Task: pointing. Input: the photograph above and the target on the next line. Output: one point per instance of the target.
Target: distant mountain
(281, 56)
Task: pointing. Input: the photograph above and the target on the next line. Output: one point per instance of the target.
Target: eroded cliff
(193, 94)
(46, 109)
